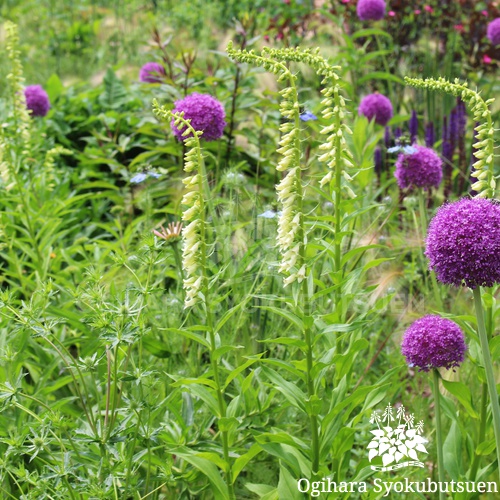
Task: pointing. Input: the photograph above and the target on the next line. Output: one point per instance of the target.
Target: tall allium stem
(439, 431)
(488, 368)
(197, 283)
(484, 166)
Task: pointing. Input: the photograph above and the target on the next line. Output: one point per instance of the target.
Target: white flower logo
(395, 444)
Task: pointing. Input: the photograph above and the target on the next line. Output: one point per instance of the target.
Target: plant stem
(203, 187)
(482, 430)
(488, 368)
(439, 432)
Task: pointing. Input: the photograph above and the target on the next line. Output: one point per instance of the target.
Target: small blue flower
(269, 214)
(142, 176)
(138, 178)
(307, 116)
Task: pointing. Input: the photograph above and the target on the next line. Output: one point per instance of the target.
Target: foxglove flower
(434, 342)
(378, 107)
(152, 72)
(371, 10)
(37, 100)
(493, 31)
(206, 114)
(463, 243)
(422, 169)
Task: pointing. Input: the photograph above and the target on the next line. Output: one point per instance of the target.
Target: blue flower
(142, 176)
(307, 116)
(269, 214)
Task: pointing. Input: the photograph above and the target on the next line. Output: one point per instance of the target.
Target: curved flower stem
(439, 431)
(488, 368)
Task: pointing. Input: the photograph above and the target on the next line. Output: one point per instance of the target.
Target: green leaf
(235, 372)
(486, 447)
(463, 394)
(189, 335)
(381, 75)
(54, 87)
(291, 392)
(452, 451)
(228, 424)
(243, 460)
(287, 486)
(155, 347)
(207, 468)
(114, 94)
(292, 318)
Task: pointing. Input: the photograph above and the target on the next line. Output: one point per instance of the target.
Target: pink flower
(417, 11)
(484, 13)
(346, 1)
(487, 59)
(391, 13)
(459, 28)
(428, 8)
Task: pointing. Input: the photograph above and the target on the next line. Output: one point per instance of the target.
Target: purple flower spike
(37, 100)
(387, 137)
(378, 161)
(378, 107)
(463, 243)
(493, 31)
(429, 135)
(434, 342)
(206, 114)
(151, 72)
(371, 10)
(422, 169)
(413, 125)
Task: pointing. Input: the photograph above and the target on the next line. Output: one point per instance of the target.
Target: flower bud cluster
(193, 233)
(483, 168)
(291, 237)
(16, 81)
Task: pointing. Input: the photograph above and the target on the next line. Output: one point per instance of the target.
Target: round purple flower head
(371, 10)
(37, 100)
(463, 243)
(422, 169)
(493, 31)
(151, 72)
(376, 106)
(206, 114)
(433, 342)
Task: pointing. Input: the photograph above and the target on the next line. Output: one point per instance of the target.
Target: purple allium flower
(413, 126)
(371, 10)
(37, 100)
(151, 72)
(376, 106)
(206, 114)
(463, 243)
(423, 168)
(433, 342)
(493, 31)
(429, 135)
